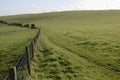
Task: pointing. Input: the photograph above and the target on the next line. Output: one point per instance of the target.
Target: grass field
(78, 45)
(12, 41)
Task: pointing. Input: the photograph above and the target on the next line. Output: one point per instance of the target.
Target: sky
(13, 7)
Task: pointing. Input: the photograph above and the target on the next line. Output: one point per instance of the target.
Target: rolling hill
(76, 45)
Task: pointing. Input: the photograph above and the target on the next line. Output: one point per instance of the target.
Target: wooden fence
(22, 69)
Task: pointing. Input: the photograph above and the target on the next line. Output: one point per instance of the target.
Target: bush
(26, 25)
(33, 26)
(3, 22)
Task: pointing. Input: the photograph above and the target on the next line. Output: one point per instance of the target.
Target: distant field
(12, 41)
(78, 45)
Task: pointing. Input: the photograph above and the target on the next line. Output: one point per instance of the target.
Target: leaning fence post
(28, 60)
(12, 73)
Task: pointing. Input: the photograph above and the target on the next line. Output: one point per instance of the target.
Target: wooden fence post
(28, 60)
(12, 73)
(35, 42)
(33, 54)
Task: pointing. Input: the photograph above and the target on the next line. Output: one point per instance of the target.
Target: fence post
(12, 73)
(35, 42)
(37, 38)
(33, 54)
(28, 60)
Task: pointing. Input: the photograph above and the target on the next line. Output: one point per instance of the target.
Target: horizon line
(57, 11)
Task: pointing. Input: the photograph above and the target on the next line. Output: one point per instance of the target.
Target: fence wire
(21, 64)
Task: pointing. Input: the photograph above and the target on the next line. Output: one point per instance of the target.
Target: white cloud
(92, 5)
(78, 5)
(83, 5)
(72, 5)
(36, 8)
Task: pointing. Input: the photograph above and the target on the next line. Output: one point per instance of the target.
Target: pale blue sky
(11, 7)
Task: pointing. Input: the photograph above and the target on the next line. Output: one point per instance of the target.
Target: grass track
(66, 65)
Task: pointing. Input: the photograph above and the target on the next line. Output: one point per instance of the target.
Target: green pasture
(76, 45)
(12, 42)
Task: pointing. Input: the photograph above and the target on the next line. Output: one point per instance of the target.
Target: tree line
(32, 26)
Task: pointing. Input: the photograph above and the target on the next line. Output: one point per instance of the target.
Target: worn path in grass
(84, 57)
(54, 62)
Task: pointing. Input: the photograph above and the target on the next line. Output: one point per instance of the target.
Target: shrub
(26, 25)
(33, 26)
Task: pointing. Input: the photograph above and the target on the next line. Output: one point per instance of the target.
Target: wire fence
(21, 70)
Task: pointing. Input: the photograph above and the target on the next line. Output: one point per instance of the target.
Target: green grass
(78, 45)
(12, 42)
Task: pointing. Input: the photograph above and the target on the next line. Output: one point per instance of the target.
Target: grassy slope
(12, 41)
(77, 45)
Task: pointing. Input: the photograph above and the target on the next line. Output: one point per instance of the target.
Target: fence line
(22, 69)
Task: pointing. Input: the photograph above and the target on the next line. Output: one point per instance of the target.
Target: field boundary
(22, 69)
(31, 26)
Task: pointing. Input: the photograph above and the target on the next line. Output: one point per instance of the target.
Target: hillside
(76, 45)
